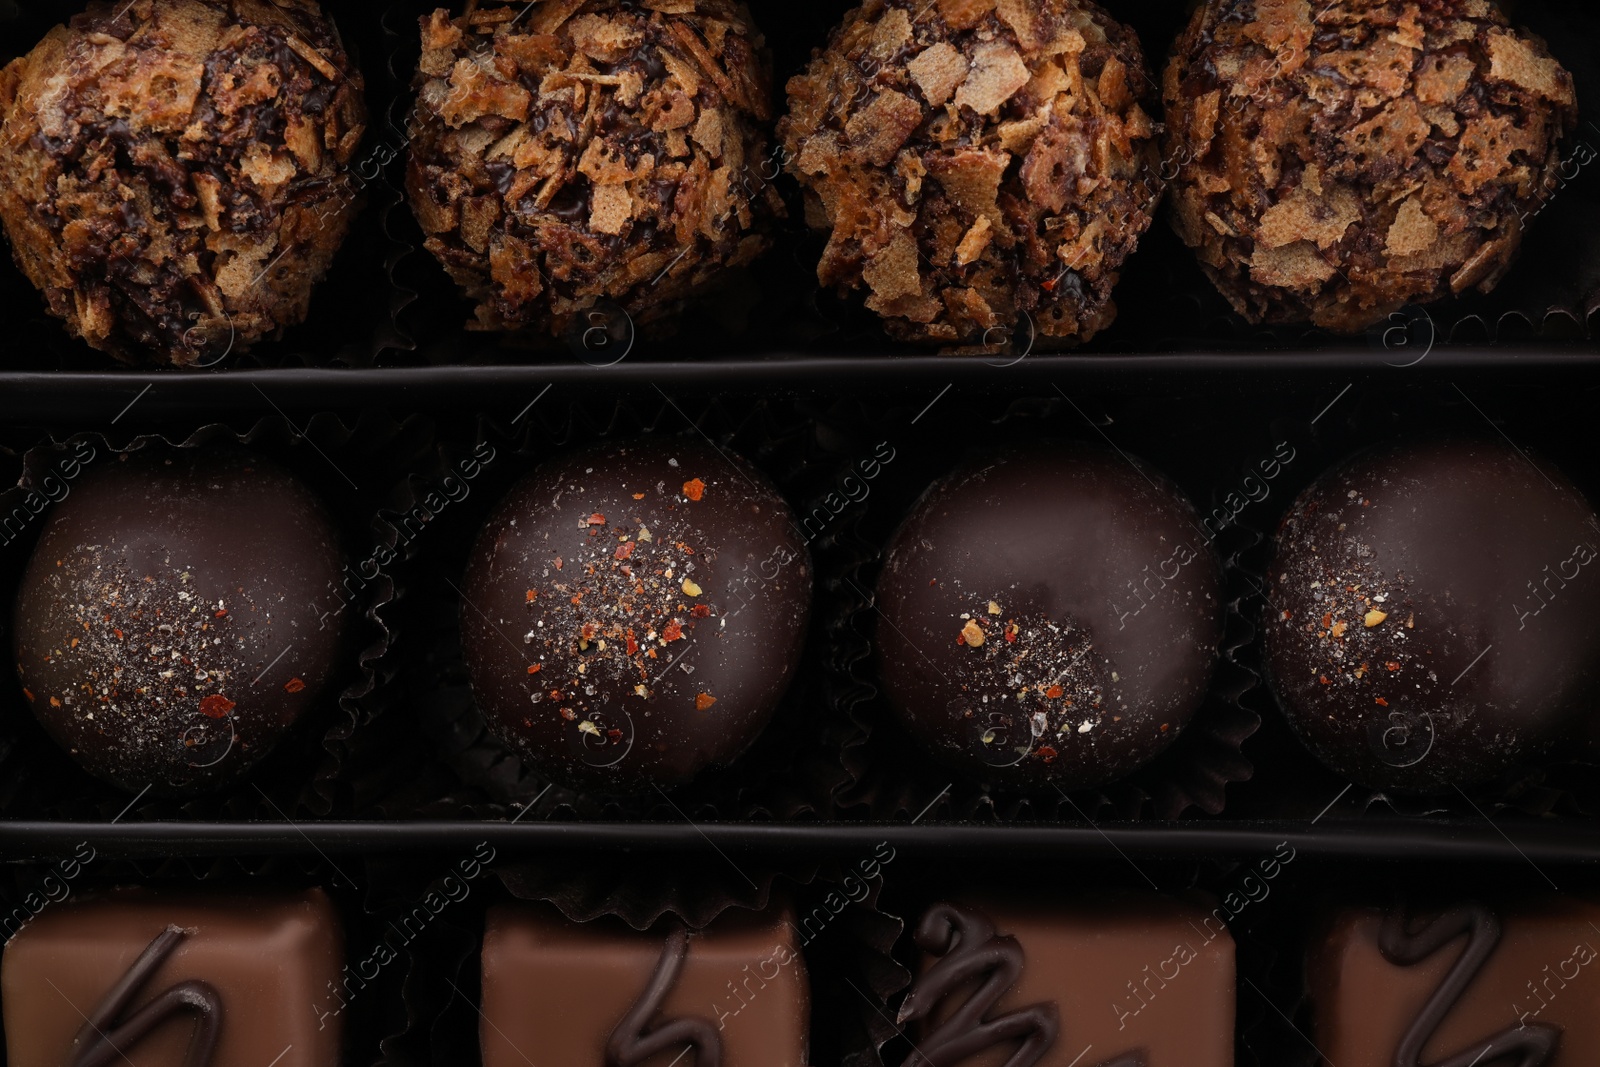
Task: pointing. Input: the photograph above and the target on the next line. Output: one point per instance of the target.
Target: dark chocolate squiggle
(970, 948)
(102, 1039)
(1532, 1045)
(631, 1043)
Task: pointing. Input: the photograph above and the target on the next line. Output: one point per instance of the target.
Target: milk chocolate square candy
(138, 979)
(1468, 984)
(1133, 982)
(601, 995)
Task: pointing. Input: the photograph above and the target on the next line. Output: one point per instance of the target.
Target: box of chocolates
(977, 533)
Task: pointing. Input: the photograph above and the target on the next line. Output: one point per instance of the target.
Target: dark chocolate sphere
(1049, 618)
(169, 626)
(633, 613)
(1433, 619)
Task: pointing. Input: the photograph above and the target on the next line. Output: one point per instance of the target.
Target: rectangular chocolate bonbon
(1470, 984)
(1135, 982)
(602, 995)
(136, 978)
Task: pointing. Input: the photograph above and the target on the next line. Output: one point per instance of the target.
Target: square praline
(598, 993)
(1112, 982)
(1449, 982)
(241, 971)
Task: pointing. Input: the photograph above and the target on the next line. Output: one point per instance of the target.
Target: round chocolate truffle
(632, 614)
(568, 153)
(1050, 618)
(980, 167)
(1431, 618)
(1339, 160)
(168, 629)
(173, 172)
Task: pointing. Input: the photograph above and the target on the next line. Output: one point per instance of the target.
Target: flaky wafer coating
(1339, 160)
(981, 166)
(570, 151)
(173, 173)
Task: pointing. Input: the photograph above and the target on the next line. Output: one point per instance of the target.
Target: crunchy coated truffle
(571, 150)
(173, 172)
(1339, 160)
(978, 162)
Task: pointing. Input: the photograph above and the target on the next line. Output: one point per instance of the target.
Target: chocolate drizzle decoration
(103, 1039)
(969, 948)
(1533, 1045)
(632, 1043)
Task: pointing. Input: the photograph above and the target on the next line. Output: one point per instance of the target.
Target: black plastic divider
(1409, 840)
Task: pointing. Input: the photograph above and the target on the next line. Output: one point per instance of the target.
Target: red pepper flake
(624, 550)
(1047, 753)
(1165, 727)
(558, 563)
(216, 706)
(704, 701)
(1054, 692)
(633, 646)
(1288, 615)
(568, 714)
(55, 702)
(1049, 285)
(533, 594)
(294, 685)
(597, 519)
(638, 496)
(651, 654)
(1327, 621)
(578, 599)
(29, 694)
(1383, 702)
(221, 613)
(1011, 634)
(1323, 678)
(672, 631)
(701, 611)
(589, 631)
(694, 489)
(118, 633)
(615, 735)
(536, 668)
(1392, 665)
(555, 694)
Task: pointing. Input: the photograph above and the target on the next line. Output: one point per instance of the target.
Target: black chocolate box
(412, 426)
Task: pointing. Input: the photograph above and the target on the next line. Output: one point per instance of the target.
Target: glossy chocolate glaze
(1050, 618)
(168, 629)
(1512, 985)
(1135, 981)
(1434, 614)
(970, 950)
(597, 993)
(632, 614)
(111, 979)
(633, 1042)
(106, 1033)
(1532, 1045)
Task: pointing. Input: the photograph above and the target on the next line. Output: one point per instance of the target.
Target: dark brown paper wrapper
(323, 766)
